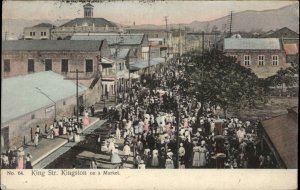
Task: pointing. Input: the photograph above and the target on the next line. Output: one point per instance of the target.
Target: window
(64, 102)
(32, 116)
(275, 60)
(30, 65)
(261, 60)
(33, 33)
(247, 60)
(6, 65)
(48, 65)
(42, 33)
(120, 66)
(30, 33)
(64, 65)
(89, 65)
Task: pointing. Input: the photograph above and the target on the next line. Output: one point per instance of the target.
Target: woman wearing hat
(169, 161)
(203, 153)
(196, 156)
(20, 156)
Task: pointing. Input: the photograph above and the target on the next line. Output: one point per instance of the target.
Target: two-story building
(41, 31)
(64, 57)
(265, 56)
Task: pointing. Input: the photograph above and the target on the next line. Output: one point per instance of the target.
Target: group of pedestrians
(163, 126)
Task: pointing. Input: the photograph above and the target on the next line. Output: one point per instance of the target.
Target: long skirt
(154, 162)
(196, 160)
(20, 163)
(115, 158)
(202, 159)
(86, 121)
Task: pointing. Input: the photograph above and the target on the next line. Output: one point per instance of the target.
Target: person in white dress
(111, 146)
(126, 151)
(154, 162)
(118, 133)
(142, 165)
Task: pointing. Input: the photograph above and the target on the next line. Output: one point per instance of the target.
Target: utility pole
(149, 59)
(166, 20)
(180, 41)
(77, 94)
(5, 37)
(230, 24)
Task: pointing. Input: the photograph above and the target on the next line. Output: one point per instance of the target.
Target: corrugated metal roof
(290, 49)
(111, 38)
(21, 96)
(283, 133)
(251, 44)
(122, 53)
(50, 45)
(145, 63)
(98, 22)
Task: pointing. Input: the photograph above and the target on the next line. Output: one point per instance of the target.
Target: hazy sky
(141, 13)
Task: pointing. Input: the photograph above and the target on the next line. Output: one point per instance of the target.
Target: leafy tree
(220, 80)
(283, 76)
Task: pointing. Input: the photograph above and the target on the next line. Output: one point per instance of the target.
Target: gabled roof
(290, 49)
(251, 44)
(111, 38)
(32, 91)
(283, 134)
(88, 5)
(98, 22)
(50, 45)
(47, 25)
(121, 53)
(283, 33)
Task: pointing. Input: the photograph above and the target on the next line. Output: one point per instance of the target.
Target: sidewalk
(47, 146)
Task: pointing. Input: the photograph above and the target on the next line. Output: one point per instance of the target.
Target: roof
(98, 22)
(145, 63)
(283, 33)
(290, 49)
(112, 38)
(27, 98)
(122, 53)
(88, 5)
(283, 134)
(50, 45)
(47, 25)
(251, 44)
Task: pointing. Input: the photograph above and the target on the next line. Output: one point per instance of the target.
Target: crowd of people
(15, 158)
(164, 127)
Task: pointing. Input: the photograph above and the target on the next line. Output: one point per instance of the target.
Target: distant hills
(245, 21)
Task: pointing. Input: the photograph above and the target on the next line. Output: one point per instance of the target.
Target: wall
(19, 62)
(37, 31)
(262, 71)
(20, 127)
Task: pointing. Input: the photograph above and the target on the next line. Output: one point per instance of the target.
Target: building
(280, 136)
(34, 99)
(88, 24)
(135, 42)
(22, 57)
(38, 32)
(265, 56)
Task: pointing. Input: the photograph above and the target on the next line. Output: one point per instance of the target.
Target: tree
(220, 80)
(283, 77)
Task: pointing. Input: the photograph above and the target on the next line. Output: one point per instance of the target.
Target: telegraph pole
(180, 41)
(77, 94)
(230, 24)
(166, 20)
(149, 59)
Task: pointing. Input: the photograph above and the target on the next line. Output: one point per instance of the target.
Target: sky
(134, 11)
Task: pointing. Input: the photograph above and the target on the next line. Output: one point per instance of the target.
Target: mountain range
(245, 21)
